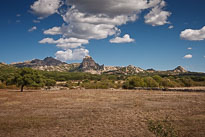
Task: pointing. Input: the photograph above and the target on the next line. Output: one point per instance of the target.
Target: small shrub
(162, 128)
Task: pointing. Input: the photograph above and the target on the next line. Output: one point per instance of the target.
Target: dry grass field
(99, 113)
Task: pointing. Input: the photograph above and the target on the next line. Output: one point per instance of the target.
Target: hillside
(90, 66)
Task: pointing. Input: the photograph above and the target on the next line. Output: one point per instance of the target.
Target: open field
(99, 113)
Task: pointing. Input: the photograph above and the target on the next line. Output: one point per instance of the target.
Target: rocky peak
(151, 70)
(179, 69)
(89, 64)
(49, 61)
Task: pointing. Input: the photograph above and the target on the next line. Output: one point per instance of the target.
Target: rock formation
(49, 61)
(179, 69)
(89, 64)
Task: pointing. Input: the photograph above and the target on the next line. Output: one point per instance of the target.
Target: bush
(132, 82)
(162, 128)
(50, 82)
(150, 82)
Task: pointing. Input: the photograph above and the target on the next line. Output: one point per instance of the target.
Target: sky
(158, 34)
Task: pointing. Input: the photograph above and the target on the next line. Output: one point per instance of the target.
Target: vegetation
(26, 77)
(163, 128)
(11, 76)
(163, 81)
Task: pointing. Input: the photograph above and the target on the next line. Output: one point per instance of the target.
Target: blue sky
(148, 35)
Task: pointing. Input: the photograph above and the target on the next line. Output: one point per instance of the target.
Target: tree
(150, 82)
(50, 82)
(132, 82)
(27, 77)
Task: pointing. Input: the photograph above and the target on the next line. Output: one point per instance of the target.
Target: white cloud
(32, 29)
(65, 43)
(90, 19)
(171, 27)
(95, 19)
(18, 15)
(76, 54)
(36, 21)
(47, 40)
(45, 8)
(157, 16)
(112, 7)
(125, 39)
(188, 56)
(193, 35)
(190, 48)
(53, 31)
(89, 31)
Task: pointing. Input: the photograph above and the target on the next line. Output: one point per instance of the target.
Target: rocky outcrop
(133, 70)
(151, 70)
(60, 68)
(89, 64)
(179, 69)
(49, 61)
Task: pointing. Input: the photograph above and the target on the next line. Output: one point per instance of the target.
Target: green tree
(27, 77)
(132, 82)
(150, 82)
(50, 82)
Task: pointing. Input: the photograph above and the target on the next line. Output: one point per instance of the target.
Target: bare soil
(98, 113)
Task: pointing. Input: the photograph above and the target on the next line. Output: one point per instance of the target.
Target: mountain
(179, 69)
(47, 64)
(49, 61)
(90, 66)
(122, 70)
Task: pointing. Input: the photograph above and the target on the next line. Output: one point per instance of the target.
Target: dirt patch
(99, 113)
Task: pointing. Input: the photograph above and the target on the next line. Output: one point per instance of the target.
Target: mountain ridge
(87, 65)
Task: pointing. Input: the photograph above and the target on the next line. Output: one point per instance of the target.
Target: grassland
(99, 113)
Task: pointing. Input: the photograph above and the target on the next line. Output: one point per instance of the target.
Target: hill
(89, 65)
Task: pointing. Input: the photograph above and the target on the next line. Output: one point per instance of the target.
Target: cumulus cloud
(193, 35)
(112, 7)
(189, 48)
(32, 29)
(188, 56)
(96, 19)
(53, 31)
(171, 27)
(65, 43)
(125, 39)
(76, 54)
(45, 8)
(157, 16)
(89, 19)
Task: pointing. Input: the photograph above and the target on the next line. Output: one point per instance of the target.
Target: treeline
(11, 77)
(164, 81)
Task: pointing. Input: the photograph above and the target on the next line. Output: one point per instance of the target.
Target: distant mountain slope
(90, 66)
(179, 69)
(49, 61)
